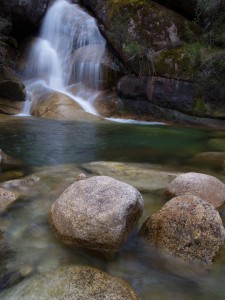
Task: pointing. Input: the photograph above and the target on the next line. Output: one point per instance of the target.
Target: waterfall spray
(69, 50)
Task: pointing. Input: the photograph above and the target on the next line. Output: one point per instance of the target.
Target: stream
(53, 153)
(68, 52)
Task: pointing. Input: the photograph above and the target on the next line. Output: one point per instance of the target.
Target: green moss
(200, 108)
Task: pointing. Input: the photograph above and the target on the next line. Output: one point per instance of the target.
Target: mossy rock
(212, 80)
(140, 29)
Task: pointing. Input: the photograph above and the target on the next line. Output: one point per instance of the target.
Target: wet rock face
(97, 214)
(204, 186)
(140, 30)
(11, 86)
(24, 14)
(72, 283)
(187, 227)
(185, 7)
(163, 92)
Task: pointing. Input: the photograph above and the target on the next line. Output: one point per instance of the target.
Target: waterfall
(68, 51)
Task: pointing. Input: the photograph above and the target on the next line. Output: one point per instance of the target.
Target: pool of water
(55, 153)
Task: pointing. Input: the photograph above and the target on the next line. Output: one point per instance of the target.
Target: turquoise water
(57, 151)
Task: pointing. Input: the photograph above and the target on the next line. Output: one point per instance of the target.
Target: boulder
(140, 30)
(7, 198)
(188, 227)
(203, 186)
(11, 86)
(72, 283)
(10, 107)
(107, 103)
(98, 214)
(58, 106)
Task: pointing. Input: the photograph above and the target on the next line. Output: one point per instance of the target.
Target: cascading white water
(68, 51)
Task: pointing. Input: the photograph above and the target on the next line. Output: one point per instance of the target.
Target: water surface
(55, 152)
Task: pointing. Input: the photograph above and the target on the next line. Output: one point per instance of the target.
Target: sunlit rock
(72, 283)
(98, 214)
(204, 186)
(187, 227)
(58, 106)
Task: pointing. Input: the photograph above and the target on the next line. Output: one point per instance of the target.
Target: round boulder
(204, 186)
(188, 227)
(72, 283)
(97, 214)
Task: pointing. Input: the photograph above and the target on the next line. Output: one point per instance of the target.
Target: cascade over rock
(157, 42)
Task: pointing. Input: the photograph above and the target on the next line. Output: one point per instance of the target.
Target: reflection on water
(55, 151)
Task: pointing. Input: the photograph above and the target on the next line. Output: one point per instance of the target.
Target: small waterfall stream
(68, 51)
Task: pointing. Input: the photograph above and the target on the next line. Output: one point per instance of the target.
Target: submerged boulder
(97, 213)
(7, 198)
(6, 160)
(187, 227)
(204, 186)
(72, 283)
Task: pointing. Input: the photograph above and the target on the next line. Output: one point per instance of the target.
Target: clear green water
(58, 150)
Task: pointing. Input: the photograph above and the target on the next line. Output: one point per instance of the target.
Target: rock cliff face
(24, 14)
(17, 19)
(173, 52)
(180, 60)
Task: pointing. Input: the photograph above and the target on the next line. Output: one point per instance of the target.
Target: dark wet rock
(72, 283)
(188, 227)
(131, 86)
(10, 107)
(98, 214)
(142, 109)
(25, 15)
(204, 186)
(11, 86)
(107, 103)
(185, 7)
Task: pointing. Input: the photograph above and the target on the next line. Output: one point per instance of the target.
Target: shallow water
(56, 152)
